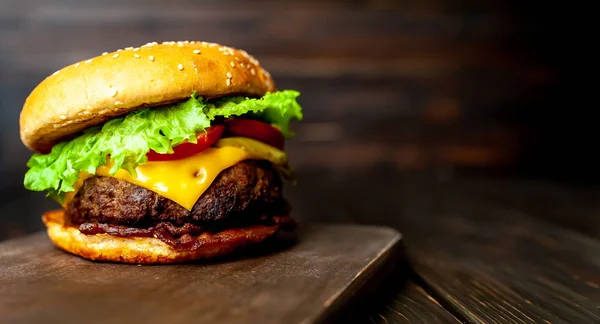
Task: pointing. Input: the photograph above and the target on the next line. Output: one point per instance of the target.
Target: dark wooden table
(440, 79)
(475, 249)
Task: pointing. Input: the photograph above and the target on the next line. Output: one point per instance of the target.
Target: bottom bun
(149, 250)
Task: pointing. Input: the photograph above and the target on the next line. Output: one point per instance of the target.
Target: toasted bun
(145, 250)
(93, 91)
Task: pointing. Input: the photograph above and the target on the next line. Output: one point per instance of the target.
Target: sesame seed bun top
(93, 91)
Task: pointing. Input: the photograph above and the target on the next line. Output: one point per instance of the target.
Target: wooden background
(436, 86)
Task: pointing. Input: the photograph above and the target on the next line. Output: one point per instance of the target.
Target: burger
(162, 153)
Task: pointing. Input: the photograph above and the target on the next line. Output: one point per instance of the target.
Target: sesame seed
(128, 48)
(104, 53)
(63, 117)
(116, 55)
(151, 58)
(55, 73)
(180, 44)
(114, 93)
(136, 55)
(166, 43)
(237, 58)
(88, 107)
(117, 103)
(119, 50)
(232, 64)
(88, 61)
(228, 82)
(76, 64)
(192, 42)
(172, 43)
(180, 67)
(252, 71)
(136, 49)
(196, 51)
(229, 75)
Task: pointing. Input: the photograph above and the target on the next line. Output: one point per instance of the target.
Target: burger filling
(239, 193)
(247, 193)
(175, 172)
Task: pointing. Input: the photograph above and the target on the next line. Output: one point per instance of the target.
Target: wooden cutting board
(306, 282)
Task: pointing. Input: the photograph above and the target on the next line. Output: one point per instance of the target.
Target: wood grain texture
(396, 299)
(413, 305)
(533, 197)
(481, 260)
(505, 267)
(306, 283)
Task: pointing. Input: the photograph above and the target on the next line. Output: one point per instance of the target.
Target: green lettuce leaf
(127, 139)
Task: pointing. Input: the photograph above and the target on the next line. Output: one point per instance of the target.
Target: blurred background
(443, 89)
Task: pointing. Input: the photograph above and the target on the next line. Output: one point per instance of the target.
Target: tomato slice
(186, 149)
(257, 130)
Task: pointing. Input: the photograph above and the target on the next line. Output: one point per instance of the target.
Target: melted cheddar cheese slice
(182, 181)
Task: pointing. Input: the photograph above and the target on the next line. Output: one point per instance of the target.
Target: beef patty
(241, 193)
